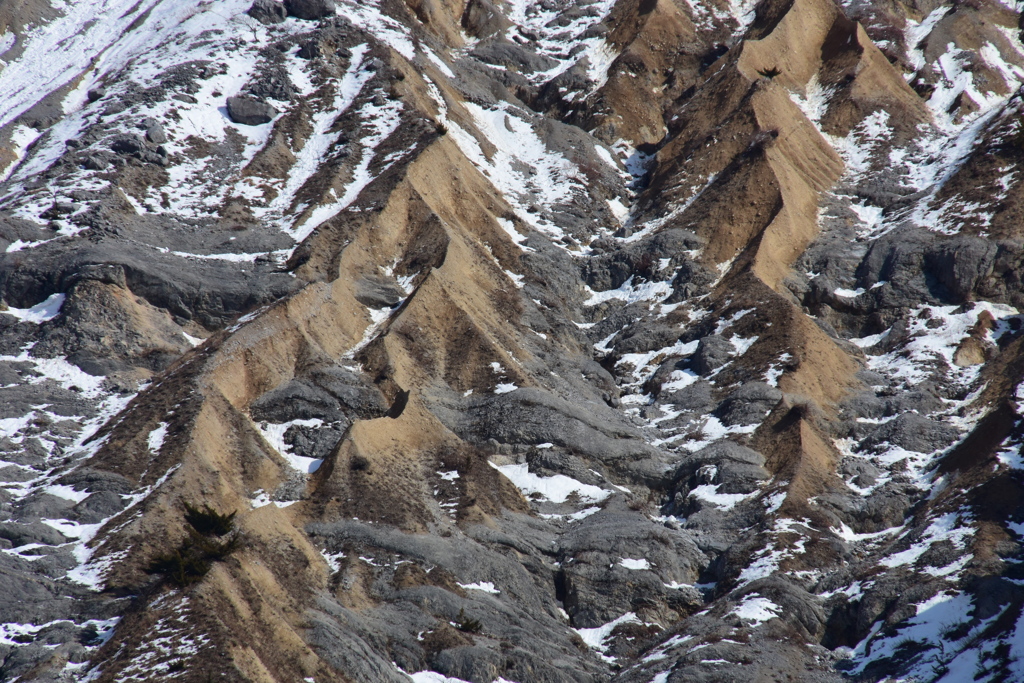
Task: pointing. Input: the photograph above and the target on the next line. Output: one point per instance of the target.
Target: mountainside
(575, 340)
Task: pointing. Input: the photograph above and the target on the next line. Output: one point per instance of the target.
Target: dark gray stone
(267, 12)
(310, 9)
(42, 115)
(98, 506)
(378, 292)
(749, 404)
(155, 134)
(912, 432)
(510, 55)
(32, 532)
(128, 144)
(712, 353)
(250, 112)
(736, 468)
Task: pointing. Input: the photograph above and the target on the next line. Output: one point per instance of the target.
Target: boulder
(749, 404)
(250, 112)
(128, 144)
(913, 433)
(510, 55)
(378, 292)
(96, 162)
(42, 116)
(734, 468)
(267, 12)
(155, 134)
(310, 9)
(712, 353)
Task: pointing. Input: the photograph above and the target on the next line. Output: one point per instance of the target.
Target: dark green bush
(90, 635)
(208, 521)
(191, 560)
(467, 624)
(181, 566)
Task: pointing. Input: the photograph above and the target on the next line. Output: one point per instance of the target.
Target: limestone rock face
(628, 340)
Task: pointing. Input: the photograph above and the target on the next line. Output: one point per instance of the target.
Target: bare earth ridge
(646, 341)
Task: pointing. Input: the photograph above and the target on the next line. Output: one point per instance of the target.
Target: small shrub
(647, 265)
(467, 624)
(216, 550)
(191, 560)
(770, 72)
(580, 644)
(180, 566)
(760, 140)
(208, 521)
(90, 636)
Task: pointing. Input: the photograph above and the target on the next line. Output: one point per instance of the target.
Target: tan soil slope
(660, 50)
(223, 459)
(814, 41)
(763, 166)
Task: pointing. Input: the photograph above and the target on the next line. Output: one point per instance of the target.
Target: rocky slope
(577, 340)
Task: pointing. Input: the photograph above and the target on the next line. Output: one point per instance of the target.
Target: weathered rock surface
(559, 341)
(268, 11)
(249, 111)
(310, 9)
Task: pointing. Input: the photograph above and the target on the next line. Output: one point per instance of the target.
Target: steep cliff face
(565, 341)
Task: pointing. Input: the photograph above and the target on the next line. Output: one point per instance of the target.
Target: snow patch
(634, 564)
(274, 434)
(484, 586)
(556, 488)
(596, 638)
(155, 440)
(41, 312)
(757, 609)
